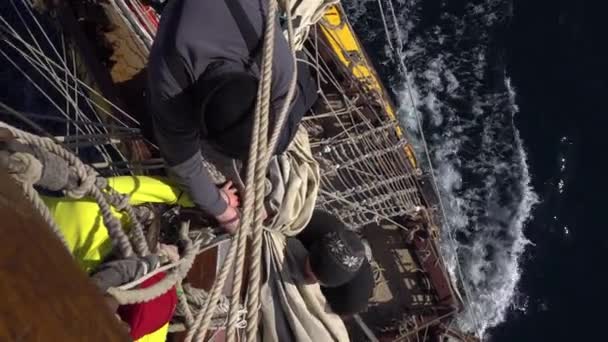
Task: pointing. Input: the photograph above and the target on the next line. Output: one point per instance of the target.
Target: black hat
(321, 222)
(352, 297)
(227, 111)
(336, 257)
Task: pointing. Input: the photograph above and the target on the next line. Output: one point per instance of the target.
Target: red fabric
(148, 317)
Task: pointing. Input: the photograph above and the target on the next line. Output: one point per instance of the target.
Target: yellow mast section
(345, 44)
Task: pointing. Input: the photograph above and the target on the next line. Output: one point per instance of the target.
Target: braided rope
(94, 186)
(174, 276)
(27, 170)
(194, 299)
(183, 309)
(203, 319)
(121, 202)
(259, 156)
(87, 177)
(253, 293)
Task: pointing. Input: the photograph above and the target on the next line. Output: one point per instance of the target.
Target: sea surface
(506, 93)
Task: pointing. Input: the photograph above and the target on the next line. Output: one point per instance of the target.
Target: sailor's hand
(230, 220)
(229, 194)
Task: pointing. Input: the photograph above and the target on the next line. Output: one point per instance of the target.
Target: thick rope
(27, 170)
(183, 309)
(257, 149)
(256, 173)
(121, 203)
(92, 185)
(172, 278)
(202, 320)
(193, 299)
(87, 178)
(281, 117)
(253, 290)
(254, 281)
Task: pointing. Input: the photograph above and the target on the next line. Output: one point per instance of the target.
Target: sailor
(335, 254)
(337, 261)
(334, 258)
(353, 297)
(203, 76)
(88, 241)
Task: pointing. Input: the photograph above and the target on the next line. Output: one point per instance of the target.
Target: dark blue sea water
(557, 59)
(511, 95)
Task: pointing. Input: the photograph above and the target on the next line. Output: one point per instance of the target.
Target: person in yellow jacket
(82, 226)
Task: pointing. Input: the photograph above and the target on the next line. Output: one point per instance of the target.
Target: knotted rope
(193, 299)
(172, 278)
(27, 170)
(87, 186)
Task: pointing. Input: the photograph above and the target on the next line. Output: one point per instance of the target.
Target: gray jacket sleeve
(178, 139)
(192, 177)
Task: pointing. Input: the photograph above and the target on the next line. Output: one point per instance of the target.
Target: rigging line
(33, 83)
(315, 67)
(336, 152)
(105, 111)
(465, 286)
(86, 127)
(42, 30)
(350, 76)
(76, 79)
(381, 159)
(331, 78)
(142, 16)
(36, 57)
(387, 163)
(4, 108)
(65, 95)
(386, 31)
(122, 9)
(24, 23)
(44, 117)
(9, 110)
(67, 103)
(73, 72)
(43, 74)
(355, 205)
(101, 149)
(365, 119)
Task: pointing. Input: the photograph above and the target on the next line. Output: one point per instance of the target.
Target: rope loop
(25, 168)
(87, 179)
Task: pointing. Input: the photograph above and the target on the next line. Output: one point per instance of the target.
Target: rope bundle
(260, 153)
(26, 169)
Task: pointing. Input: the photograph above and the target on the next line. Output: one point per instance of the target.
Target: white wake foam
(467, 104)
